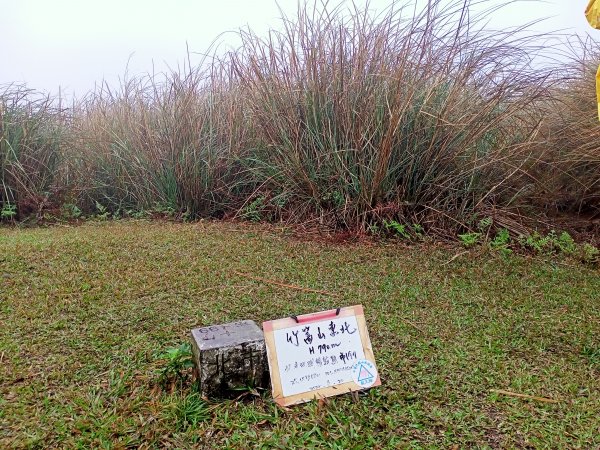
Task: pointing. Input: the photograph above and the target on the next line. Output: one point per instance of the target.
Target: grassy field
(85, 312)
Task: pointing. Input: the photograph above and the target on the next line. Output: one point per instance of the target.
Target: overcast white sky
(75, 43)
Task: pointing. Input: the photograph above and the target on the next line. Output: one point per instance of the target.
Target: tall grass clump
(570, 168)
(156, 144)
(32, 136)
(418, 117)
(346, 118)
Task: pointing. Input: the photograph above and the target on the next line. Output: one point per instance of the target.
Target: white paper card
(319, 354)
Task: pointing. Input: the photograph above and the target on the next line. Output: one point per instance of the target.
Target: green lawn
(84, 312)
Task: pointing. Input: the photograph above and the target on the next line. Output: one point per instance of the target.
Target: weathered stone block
(230, 356)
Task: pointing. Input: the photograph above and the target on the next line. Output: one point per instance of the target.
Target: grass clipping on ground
(85, 311)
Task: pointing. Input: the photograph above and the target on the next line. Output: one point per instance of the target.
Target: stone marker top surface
(227, 334)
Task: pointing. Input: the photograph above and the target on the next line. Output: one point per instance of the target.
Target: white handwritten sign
(319, 355)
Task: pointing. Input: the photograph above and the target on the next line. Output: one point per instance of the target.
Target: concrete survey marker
(230, 356)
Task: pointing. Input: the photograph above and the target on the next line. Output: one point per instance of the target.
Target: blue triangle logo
(364, 373)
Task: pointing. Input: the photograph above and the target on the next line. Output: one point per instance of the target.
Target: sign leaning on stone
(319, 355)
